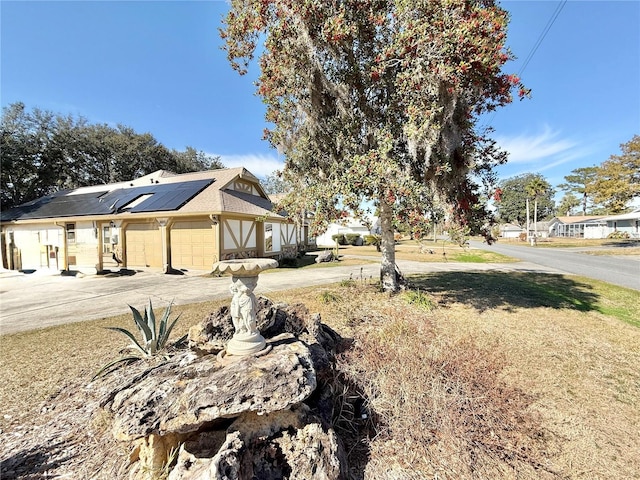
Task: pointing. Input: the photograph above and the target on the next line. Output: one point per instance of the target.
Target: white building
(351, 225)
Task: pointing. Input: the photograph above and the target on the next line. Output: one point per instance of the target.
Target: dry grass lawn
(464, 376)
(430, 251)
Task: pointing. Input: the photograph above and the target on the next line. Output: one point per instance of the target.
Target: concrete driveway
(30, 301)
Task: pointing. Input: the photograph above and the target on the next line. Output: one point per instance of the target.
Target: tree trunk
(388, 278)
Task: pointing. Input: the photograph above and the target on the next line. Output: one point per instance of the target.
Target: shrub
(373, 240)
(522, 237)
(352, 238)
(288, 262)
(153, 340)
(340, 238)
(617, 235)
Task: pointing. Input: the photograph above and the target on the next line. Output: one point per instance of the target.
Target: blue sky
(157, 66)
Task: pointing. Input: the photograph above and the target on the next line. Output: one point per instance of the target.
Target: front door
(110, 255)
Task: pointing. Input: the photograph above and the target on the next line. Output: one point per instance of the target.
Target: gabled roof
(160, 191)
(578, 219)
(635, 215)
(511, 227)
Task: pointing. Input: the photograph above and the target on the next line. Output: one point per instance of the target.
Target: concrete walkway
(37, 300)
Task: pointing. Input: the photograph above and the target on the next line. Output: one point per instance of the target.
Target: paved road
(38, 300)
(623, 270)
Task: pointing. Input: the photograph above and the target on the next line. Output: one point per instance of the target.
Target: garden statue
(246, 339)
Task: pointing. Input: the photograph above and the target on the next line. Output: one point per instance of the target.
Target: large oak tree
(42, 152)
(514, 194)
(378, 100)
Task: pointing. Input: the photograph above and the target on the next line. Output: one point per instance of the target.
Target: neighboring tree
(580, 182)
(42, 153)
(618, 179)
(192, 160)
(30, 167)
(537, 188)
(512, 205)
(274, 184)
(568, 203)
(378, 101)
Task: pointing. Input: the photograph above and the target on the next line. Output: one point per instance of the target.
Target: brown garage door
(193, 245)
(144, 245)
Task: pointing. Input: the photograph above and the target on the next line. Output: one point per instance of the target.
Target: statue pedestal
(246, 344)
(247, 339)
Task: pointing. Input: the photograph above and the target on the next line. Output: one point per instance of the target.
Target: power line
(546, 29)
(534, 49)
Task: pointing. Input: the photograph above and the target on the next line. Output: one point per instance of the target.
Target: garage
(193, 245)
(144, 245)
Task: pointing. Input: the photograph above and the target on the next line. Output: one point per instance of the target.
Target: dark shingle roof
(161, 197)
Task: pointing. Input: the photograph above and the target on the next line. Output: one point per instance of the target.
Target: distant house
(578, 226)
(509, 230)
(626, 223)
(160, 221)
(351, 225)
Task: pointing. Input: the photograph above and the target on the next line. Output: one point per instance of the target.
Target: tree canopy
(617, 179)
(275, 184)
(567, 204)
(42, 152)
(581, 182)
(514, 193)
(378, 101)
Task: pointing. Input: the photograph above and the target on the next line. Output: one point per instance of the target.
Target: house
(509, 230)
(578, 226)
(351, 225)
(301, 221)
(160, 221)
(626, 223)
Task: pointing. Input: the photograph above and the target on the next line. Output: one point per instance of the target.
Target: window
(106, 239)
(268, 237)
(71, 232)
(136, 201)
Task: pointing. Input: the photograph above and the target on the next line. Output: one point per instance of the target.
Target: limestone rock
(266, 417)
(324, 257)
(194, 457)
(185, 393)
(286, 444)
(212, 334)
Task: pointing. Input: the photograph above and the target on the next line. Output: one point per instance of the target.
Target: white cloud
(260, 165)
(539, 147)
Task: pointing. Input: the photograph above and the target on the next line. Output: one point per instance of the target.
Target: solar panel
(171, 196)
(166, 196)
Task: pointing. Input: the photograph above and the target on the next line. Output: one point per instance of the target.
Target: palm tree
(535, 189)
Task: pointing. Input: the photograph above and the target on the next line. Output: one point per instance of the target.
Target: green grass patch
(478, 256)
(419, 299)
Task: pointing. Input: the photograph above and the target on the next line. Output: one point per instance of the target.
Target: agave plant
(153, 339)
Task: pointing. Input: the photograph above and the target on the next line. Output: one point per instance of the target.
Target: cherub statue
(235, 308)
(247, 308)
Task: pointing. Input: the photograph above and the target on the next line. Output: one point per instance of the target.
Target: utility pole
(528, 219)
